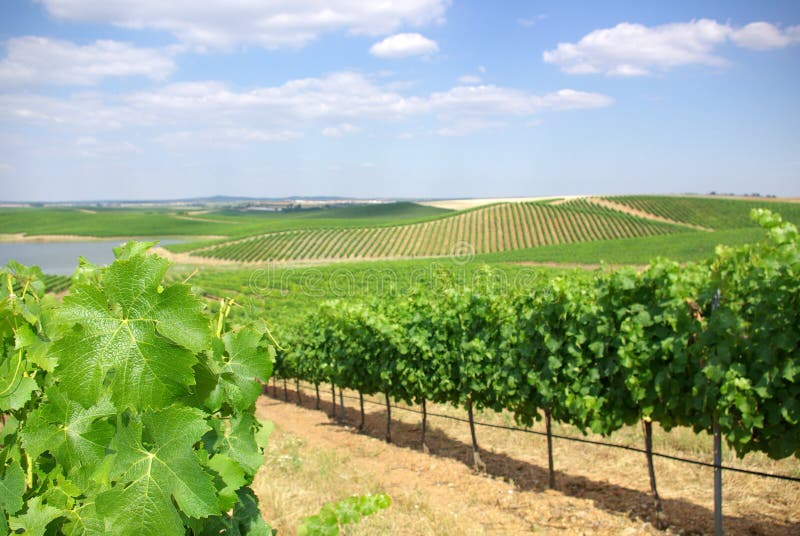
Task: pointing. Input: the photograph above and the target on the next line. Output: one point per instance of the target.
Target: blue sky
(146, 99)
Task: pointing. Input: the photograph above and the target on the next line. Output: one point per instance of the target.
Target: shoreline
(23, 238)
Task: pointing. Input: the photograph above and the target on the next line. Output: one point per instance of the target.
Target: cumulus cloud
(489, 100)
(213, 113)
(272, 24)
(39, 60)
(637, 50)
(764, 36)
(404, 45)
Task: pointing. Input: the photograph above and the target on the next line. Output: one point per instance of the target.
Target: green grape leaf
(232, 476)
(36, 349)
(84, 521)
(263, 433)
(237, 440)
(344, 512)
(75, 435)
(12, 486)
(35, 520)
(132, 336)
(17, 392)
(247, 517)
(240, 366)
(154, 462)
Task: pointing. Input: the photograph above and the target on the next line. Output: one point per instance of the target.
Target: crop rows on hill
(499, 227)
(700, 211)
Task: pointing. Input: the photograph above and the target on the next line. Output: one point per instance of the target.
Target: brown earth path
(480, 504)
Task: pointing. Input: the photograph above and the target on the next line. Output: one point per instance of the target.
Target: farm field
(505, 226)
(131, 222)
(519, 227)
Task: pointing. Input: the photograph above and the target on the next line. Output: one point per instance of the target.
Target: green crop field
(112, 222)
(615, 229)
(706, 212)
(498, 227)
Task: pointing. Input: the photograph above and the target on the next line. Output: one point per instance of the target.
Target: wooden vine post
(548, 427)
(341, 405)
(361, 407)
(717, 479)
(715, 303)
(424, 426)
(476, 457)
(647, 425)
(333, 400)
(388, 419)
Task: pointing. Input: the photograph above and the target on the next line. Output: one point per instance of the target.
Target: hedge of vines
(681, 345)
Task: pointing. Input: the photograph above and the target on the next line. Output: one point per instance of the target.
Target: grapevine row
(498, 227)
(713, 346)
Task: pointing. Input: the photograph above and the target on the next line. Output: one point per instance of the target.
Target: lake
(61, 258)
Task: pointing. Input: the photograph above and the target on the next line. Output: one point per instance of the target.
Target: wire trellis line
(589, 442)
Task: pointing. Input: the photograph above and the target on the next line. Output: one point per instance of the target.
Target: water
(61, 258)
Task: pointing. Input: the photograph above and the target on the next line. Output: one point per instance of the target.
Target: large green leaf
(241, 365)
(129, 334)
(12, 485)
(155, 463)
(75, 435)
(36, 518)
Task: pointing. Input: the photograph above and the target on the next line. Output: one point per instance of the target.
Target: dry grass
(298, 478)
(599, 486)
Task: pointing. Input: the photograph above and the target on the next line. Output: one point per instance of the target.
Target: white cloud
(272, 24)
(40, 60)
(637, 50)
(765, 36)
(213, 114)
(404, 45)
(469, 80)
(489, 100)
(340, 130)
(87, 111)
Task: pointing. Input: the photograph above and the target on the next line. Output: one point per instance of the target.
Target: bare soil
(598, 490)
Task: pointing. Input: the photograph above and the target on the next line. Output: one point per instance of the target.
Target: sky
(155, 99)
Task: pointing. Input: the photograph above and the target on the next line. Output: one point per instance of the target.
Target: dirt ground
(598, 490)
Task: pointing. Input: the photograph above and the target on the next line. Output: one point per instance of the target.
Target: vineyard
(712, 346)
(500, 227)
(96, 421)
(704, 212)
